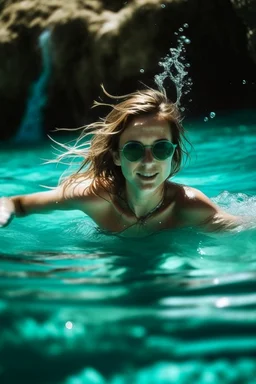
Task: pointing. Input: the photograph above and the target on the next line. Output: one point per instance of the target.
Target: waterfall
(31, 128)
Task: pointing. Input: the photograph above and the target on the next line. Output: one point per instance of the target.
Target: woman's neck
(141, 203)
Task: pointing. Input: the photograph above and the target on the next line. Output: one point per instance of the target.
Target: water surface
(77, 306)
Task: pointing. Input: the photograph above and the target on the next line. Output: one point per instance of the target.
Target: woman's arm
(76, 195)
(24, 205)
(73, 197)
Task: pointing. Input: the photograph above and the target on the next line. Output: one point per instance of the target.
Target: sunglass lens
(163, 150)
(133, 151)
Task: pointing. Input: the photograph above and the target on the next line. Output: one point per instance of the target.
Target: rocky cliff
(119, 44)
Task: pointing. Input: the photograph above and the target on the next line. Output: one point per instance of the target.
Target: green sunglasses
(161, 150)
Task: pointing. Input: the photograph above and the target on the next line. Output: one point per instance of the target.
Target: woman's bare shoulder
(85, 191)
(186, 195)
(191, 205)
(175, 191)
(189, 198)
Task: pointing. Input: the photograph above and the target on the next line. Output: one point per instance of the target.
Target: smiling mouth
(147, 176)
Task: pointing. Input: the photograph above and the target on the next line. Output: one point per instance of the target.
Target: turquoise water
(77, 306)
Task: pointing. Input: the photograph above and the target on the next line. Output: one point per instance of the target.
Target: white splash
(175, 67)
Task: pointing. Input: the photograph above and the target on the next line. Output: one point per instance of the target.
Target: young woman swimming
(124, 184)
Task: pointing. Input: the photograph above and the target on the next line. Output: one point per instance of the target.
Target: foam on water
(237, 203)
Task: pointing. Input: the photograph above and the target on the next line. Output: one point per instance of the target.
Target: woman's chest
(128, 224)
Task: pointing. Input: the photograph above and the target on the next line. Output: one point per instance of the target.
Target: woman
(123, 183)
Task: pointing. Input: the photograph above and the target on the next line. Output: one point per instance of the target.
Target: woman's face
(148, 173)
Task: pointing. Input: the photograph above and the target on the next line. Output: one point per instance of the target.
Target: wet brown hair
(101, 138)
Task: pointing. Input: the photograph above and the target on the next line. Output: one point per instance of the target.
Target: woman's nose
(148, 156)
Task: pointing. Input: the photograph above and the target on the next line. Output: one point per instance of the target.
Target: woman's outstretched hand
(7, 210)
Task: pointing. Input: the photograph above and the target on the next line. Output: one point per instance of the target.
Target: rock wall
(246, 9)
(97, 41)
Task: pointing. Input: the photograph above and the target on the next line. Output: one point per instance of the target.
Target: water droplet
(185, 25)
(212, 115)
(187, 41)
(206, 119)
(69, 325)
(163, 5)
(222, 302)
(142, 70)
(175, 68)
(244, 81)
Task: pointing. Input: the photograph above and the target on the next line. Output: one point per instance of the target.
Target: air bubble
(244, 82)
(187, 41)
(69, 325)
(206, 119)
(142, 70)
(212, 115)
(187, 65)
(181, 29)
(163, 5)
(185, 25)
